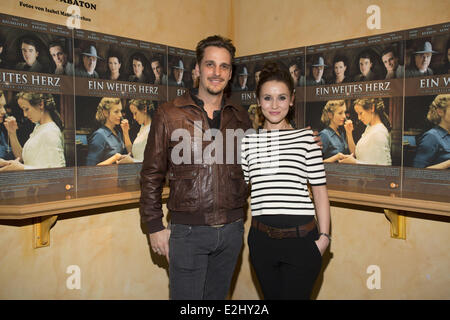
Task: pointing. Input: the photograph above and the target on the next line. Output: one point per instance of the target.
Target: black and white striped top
(279, 164)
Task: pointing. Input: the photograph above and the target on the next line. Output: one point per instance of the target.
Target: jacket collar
(187, 99)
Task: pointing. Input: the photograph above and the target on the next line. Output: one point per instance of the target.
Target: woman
(106, 144)
(340, 69)
(374, 146)
(5, 148)
(433, 148)
(45, 147)
(114, 65)
(278, 161)
(334, 137)
(142, 111)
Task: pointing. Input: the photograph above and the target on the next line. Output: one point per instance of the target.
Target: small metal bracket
(398, 223)
(41, 231)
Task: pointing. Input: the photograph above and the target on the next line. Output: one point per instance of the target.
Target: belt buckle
(274, 233)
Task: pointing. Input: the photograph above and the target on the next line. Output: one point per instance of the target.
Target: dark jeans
(203, 259)
(286, 268)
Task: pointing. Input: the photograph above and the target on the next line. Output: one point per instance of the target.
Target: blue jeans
(203, 259)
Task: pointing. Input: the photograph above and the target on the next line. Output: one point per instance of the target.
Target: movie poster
(37, 155)
(119, 83)
(426, 139)
(354, 99)
(246, 74)
(181, 74)
(76, 107)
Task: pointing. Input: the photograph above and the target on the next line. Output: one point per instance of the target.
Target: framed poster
(119, 83)
(37, 131)
(426, 139)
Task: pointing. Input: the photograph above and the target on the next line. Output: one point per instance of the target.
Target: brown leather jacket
(202, 191)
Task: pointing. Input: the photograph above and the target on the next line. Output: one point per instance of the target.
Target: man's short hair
(30, 41)
(139, 57)
(390, 49)
(214, 41)
(60, 44)
(156, 58)
(366, 55)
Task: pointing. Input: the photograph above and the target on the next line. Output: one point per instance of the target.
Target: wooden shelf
(30, 208)
(70, 203)
(408, 202)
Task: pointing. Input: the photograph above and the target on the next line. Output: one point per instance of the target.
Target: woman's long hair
(379, 109)
(35, 99)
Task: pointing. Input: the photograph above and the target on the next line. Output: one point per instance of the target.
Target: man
(257, 74)
(195, 78)
(30, 53)
(365, 62)
(160, 77)
(295, 72)
(177, 74)
(317, 67)
(59, 55)
(241, 84)
(89, 58)
(422, 60)
(207, 193)
(390, 61)
(139, 63)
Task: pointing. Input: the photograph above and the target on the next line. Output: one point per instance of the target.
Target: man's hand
(159, 241)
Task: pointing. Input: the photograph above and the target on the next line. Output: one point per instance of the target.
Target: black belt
(278, 233)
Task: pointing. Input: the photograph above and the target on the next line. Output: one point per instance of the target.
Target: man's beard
(215, 93)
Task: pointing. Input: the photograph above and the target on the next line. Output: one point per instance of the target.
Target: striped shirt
(279, 164)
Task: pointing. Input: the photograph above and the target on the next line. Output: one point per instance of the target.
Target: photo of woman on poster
(336, 134)
(374, 146)
(45, 147)
(142, 111)
(106, 144)
(433, 147)
(340, 66)
(114, 71)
